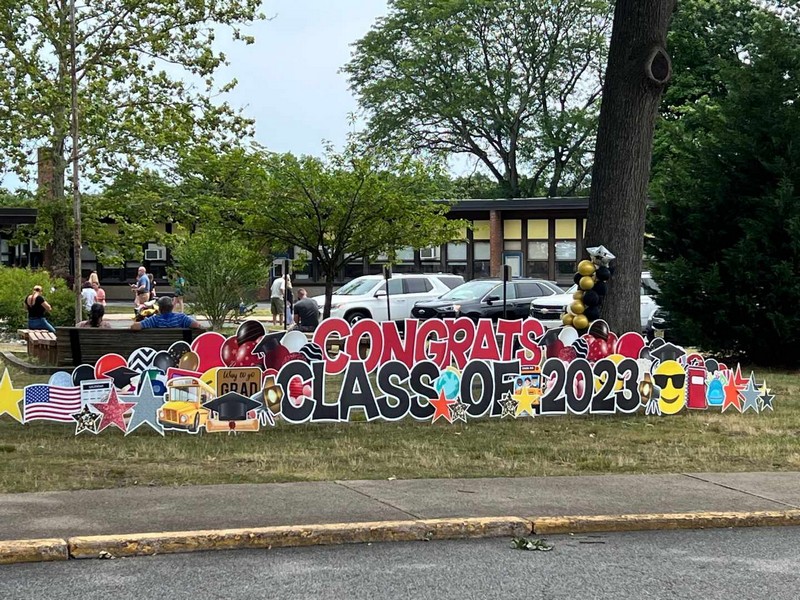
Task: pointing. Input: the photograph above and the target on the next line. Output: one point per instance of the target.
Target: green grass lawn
(41, 456)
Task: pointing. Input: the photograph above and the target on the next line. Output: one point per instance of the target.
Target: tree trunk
(329, 275)
(638, 70)
(51, 189)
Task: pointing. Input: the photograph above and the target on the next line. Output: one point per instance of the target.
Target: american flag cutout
(51, 403)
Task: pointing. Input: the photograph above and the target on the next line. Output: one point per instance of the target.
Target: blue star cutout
(146, 409)
(750, 394)
(766, 400)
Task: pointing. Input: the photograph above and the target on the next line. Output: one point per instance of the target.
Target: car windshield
(474, 290)
(572, 290)
(357, 287)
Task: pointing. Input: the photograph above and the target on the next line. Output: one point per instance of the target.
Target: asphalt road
(708, 565)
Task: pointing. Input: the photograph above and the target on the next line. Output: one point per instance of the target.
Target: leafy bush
(220, 272)
(725, 223)
(16, 284)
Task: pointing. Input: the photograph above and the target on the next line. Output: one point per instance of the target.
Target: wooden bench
(41, 344)
(76, 345)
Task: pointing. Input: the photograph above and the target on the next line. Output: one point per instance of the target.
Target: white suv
(365, 297)
(549, 310)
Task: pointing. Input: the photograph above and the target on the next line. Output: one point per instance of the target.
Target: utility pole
(76, 197)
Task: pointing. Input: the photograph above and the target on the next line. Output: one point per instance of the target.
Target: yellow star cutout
(10, 398)
(525, 401)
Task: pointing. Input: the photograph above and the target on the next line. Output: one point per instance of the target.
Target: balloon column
(592, 281)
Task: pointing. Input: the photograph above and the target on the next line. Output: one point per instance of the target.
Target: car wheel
(355, 316)
(196, 425)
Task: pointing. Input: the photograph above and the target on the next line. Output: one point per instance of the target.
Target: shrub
(220, 273)
(16, 284)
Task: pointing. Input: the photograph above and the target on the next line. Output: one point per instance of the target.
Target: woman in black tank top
(37, 307)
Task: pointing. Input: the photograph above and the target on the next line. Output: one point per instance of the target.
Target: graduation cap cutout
(667, 352)
(269, 342)
(232, 406)
(121, 376)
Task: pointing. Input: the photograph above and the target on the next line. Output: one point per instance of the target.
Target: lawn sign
(442, 371)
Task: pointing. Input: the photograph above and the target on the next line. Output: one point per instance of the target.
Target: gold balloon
(567, 319)
(586, 283)
(578, 295)
(580, 322)
(577, 307)
(189, 361)
(585, 267)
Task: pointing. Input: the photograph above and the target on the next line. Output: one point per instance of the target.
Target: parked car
(659, 326)
(483, 298)
(365, 297)
(550, 310)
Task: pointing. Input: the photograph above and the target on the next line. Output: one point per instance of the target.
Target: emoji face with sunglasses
(670, 376)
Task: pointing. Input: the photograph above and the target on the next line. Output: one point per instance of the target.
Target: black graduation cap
(269, 342)
(122, 376)
(667, 352)
(232, 406)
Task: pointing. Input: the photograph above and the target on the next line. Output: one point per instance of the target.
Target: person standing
(100, 293)
(306, 312)
(142, 287)
(180, 291)
(95, 320)
(289, 299)
(37, 307)
(276, 300)
(88, 295)
(152, 279)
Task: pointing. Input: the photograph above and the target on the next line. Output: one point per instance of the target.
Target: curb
(292, 536)
(650, 522)
(45, 550)
(149, 544)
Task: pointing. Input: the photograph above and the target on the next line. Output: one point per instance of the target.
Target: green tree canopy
(146, 88)
(348, 206)
(726, 186)
(513, 83)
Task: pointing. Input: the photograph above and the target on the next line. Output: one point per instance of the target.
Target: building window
(457, 258)
(354, 269)
(481, 262)
(538, 259)
(566, 254)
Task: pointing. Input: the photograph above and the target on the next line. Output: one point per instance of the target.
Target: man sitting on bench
(166, 318)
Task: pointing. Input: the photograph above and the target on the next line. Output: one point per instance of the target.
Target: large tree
(638, 70)
(348, 206)
(145, 73)
(512, 83)
(726, 183)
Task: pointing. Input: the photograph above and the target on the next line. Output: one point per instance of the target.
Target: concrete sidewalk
(150, 509)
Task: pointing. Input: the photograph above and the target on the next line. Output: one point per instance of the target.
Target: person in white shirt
(89, 296)
(277, 305)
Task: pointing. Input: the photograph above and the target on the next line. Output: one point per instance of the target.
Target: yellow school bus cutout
(184, 408)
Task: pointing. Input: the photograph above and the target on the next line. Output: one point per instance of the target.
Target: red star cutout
(113, 411)
(738, 380)
(442, 406)
(731, 395)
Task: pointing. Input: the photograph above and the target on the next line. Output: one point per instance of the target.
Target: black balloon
(177, 350)
(577, 278)
(603, 274)
(591, 299)
(600, 288)
(592, 313)
(163, 361)
(82, 373)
